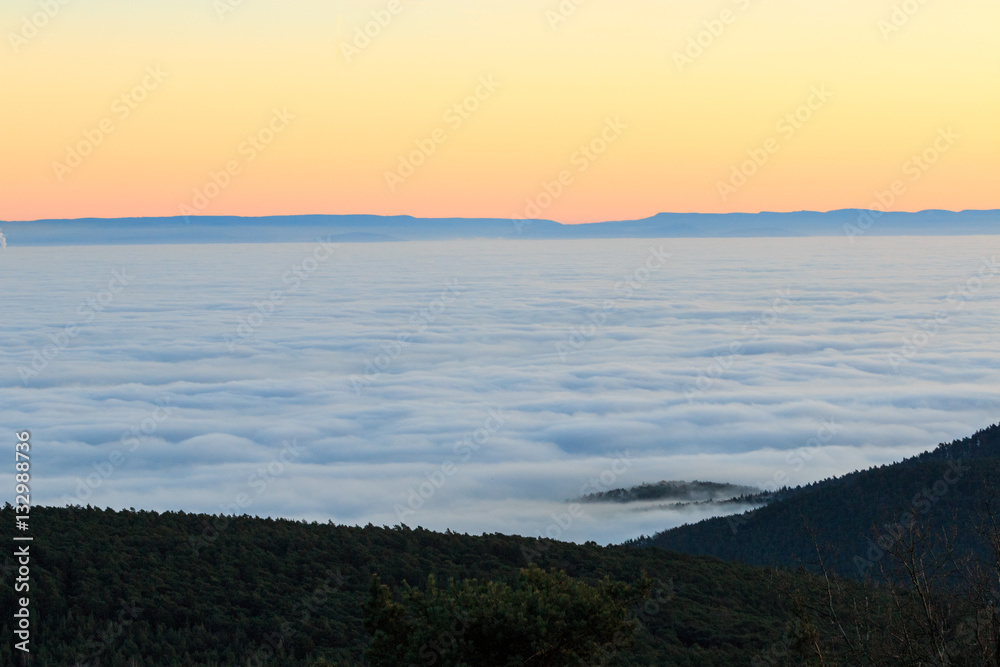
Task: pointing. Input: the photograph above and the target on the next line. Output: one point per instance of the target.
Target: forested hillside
(852, 519)
(673, 491)
(144, 588)
(111, 587)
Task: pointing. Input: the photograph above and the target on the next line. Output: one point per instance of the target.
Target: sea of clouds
(478, 385)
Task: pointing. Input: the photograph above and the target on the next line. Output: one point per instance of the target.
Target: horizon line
(568, 224)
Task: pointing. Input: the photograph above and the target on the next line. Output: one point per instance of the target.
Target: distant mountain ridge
(850, 223)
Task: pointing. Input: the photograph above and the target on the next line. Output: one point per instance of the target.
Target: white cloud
(161, 342)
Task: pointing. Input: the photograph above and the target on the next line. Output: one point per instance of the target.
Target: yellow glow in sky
(579, 110)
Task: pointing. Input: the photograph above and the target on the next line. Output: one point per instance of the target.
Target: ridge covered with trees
(853, 517)
(676, 491)
(121, 588)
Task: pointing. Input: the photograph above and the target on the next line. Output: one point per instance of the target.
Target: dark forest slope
(850, 515)
(107, 587)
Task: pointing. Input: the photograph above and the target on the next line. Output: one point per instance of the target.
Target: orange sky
(495, 109)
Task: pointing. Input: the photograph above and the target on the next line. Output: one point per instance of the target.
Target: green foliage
(545, 618)
(673, 491)
(136, 587)
(111, 587)
(855, 518)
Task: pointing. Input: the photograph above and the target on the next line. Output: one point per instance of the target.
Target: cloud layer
(478, 385)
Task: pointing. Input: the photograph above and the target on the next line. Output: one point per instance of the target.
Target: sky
(578, 111)
(494, 379)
